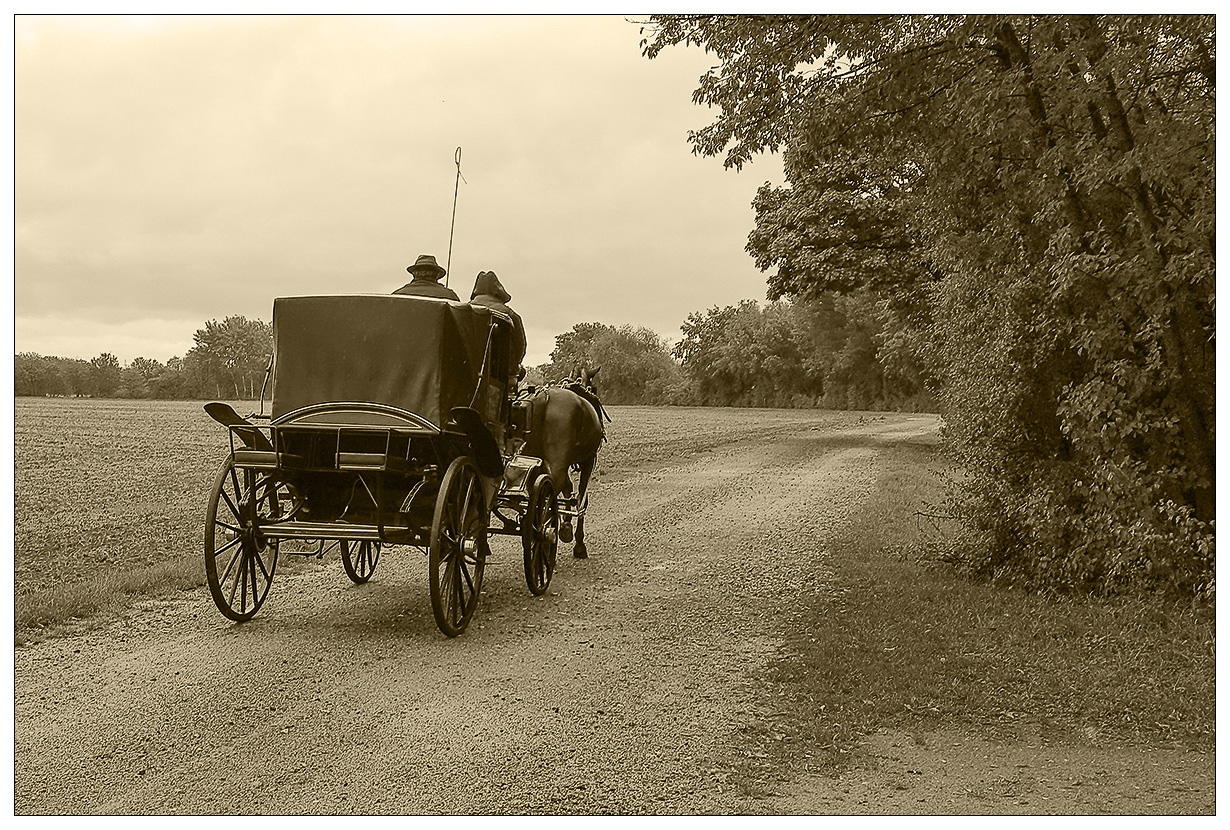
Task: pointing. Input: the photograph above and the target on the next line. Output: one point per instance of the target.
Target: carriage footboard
(351, 532)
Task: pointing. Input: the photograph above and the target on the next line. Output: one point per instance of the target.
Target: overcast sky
(170, 171)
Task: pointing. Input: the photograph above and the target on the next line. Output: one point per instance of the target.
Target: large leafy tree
(1036, 195)
(34, 374)
(828, 350)
(139, 378)
(634, 362)
(701, 353)
(234, 354)
(105, 374)
(746, 355)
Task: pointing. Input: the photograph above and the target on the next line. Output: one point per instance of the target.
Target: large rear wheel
(458, 549)
(540, 535)
(239, 560)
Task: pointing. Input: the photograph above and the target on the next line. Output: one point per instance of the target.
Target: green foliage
(138, 378)
(229, 359)
(1033, 196)
(823, 351)
(34, 374)
(235, 354)
(106, 374)
(636, 366)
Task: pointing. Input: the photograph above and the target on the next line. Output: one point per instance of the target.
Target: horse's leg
(587, 467)
(565, 492)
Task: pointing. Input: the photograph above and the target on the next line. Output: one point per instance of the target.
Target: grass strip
(44, 610)
(43, 613)
(906, 643)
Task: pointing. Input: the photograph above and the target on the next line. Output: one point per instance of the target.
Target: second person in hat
(490, 293)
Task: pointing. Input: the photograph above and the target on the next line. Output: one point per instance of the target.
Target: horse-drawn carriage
(392, 423)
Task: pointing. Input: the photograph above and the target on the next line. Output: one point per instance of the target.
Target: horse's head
(585, 376)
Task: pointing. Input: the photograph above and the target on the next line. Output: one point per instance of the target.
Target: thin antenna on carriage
(448, 269)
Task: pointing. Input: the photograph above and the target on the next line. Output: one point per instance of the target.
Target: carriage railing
(369, 471)
(381, 466)
(332, 448)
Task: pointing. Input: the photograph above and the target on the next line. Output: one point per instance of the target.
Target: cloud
(151, 338)
(189, 169)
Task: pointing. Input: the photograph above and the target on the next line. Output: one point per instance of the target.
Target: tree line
(829, 352)
(1031, 201)
(227, 361)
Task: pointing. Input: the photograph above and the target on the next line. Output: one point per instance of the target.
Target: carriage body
(363, 393)
(388, 418)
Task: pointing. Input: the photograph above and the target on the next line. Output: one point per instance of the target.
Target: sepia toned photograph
(614, 415)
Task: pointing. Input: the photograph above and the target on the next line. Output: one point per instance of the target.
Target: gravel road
(632, 686)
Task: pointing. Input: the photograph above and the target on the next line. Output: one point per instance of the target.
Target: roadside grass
(909, 644)
(42, 613)
(51, 610)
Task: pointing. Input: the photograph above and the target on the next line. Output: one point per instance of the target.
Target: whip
(448, 268)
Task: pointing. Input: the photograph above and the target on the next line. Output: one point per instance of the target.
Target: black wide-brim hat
(426, 266)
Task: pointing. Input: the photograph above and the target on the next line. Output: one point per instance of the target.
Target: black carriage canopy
(418, 354)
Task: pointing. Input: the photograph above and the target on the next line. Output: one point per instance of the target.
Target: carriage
(391, 423)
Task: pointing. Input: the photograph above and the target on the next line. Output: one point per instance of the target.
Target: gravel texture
(635, 685)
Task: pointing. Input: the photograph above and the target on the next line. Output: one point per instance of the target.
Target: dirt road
(629, 688)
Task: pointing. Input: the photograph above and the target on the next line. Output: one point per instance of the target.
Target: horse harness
(529, 409)
(583, 391)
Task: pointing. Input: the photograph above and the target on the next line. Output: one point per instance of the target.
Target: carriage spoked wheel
(540, 535)
(458, 548)
(239, 559)
(362, 563)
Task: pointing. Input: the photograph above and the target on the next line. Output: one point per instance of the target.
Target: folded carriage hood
(417, 354)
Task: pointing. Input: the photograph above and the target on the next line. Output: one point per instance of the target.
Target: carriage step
(312, 531)
(265, 459)
(256, 458)
(370, 461)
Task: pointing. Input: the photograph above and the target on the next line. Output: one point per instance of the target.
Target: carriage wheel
(540, 535)
(360, 567)
(239, 560)
(458, 546)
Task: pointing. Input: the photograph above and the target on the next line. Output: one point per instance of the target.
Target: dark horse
(567, 432)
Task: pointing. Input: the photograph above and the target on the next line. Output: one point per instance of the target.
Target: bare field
(105, 487)
(108, 485)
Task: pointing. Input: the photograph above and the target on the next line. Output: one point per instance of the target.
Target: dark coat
(488, 292)
(419, 287)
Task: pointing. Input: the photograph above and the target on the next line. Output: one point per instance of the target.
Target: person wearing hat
(488, 292)
(426, 283)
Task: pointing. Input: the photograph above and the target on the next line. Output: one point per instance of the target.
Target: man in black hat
(426, 282)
